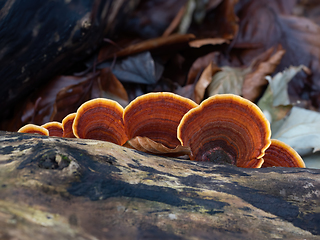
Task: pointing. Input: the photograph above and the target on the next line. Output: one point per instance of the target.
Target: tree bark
(57, 188)
(41, 39)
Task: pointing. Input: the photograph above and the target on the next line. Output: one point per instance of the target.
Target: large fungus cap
(67, 125)
(156, 116)
(226, 129)
(100, 119)
(31, 128)
(280, 154)
(54, 128)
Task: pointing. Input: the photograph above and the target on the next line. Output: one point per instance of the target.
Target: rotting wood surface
(56, 188)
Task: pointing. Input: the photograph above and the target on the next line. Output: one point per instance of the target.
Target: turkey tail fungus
(280, 154)
(100, 119)
(226, 129)
(223, 129)
(156, 116)
(54, 128)
(32, 128)
(67, 125)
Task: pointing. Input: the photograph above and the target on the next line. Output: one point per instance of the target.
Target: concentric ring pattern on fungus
(156, 116)
(226, 129)
(34, 129)
(100, 119)
(223, 129)
(54, 128)
(67, 123)
(280, 154)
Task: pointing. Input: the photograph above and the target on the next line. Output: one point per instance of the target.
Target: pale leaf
(139, 68)
(187, 17)
(312, 160)
(202, 84)
(228, 80)
(255, 81)
(207, 41)
(275, 101)
(147, 145)
(279, 85)
(300, 130)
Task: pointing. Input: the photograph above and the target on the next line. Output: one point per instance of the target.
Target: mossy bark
(56, 188)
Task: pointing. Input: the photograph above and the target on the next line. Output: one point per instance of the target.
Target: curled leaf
(204, 81)
(147, 45)
(300, 130)
(264, 24)
(207, 41)
(275, 101)
(108, 86)
(218, 21)
(279, 85)
(200, 64)
(60, 96)
(187, 17)
(70, 97)
(139, 68)
(147, 145)
(175, 22)
(255, 82)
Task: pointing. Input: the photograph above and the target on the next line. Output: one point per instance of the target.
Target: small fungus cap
(226, 128)
(67, 125)
(156, 116)
(32, 128)
(280, 154)
(100, 119)
(54, 128)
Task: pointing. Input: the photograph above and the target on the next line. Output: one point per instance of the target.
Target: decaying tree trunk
(55, 188)
(41, 39)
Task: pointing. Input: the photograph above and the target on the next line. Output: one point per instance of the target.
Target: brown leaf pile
(193, 48)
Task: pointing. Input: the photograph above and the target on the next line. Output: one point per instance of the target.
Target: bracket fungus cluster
(224, 129)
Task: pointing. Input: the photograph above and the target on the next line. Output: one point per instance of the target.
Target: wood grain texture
(57, 188)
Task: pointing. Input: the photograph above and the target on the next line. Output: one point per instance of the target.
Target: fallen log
(42, 39)
(58, 188)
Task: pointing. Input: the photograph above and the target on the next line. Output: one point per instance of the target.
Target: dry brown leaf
(151, 18)
(175, 22)
(200, 64)
(110, 87)
(204, 81)
(148, 45)
(147, 145)
(69, 98)
(40, 108)
(207, 41)
(231, 80)
(186, 91)
(255, 82)
(220, 22)
(266, 23)
(103, 84)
